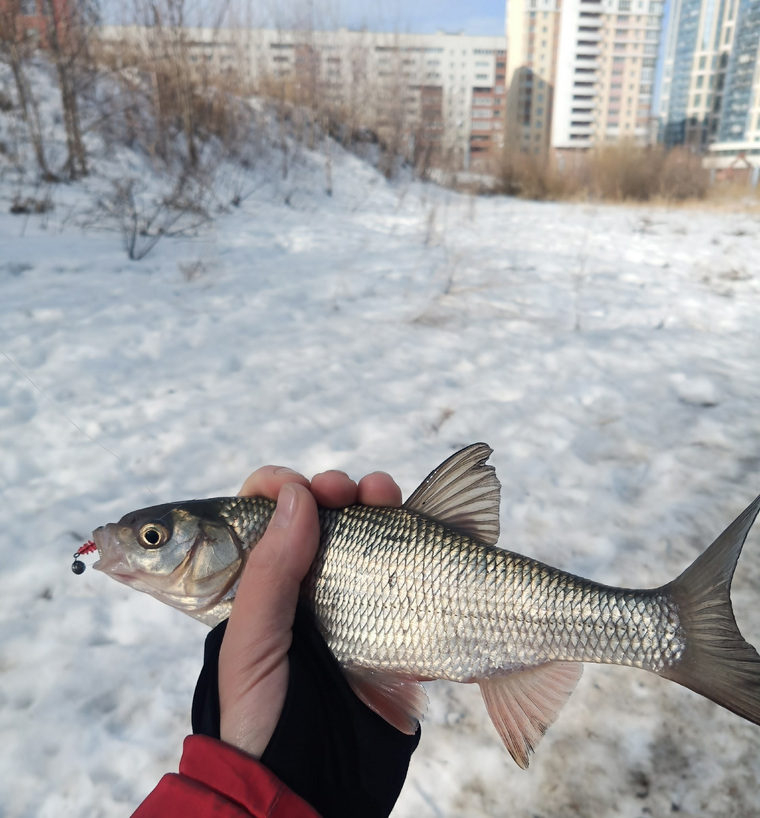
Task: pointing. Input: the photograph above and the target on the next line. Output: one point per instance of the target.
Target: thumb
(253, 664)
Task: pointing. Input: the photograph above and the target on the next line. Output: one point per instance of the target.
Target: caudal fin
(717, 662)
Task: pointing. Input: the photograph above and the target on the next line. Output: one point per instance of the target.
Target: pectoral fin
(524, 704)
(402, 702)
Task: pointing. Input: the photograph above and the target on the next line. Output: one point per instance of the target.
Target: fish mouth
(111, 556)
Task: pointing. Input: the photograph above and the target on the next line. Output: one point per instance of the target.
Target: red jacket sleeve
(217, 780)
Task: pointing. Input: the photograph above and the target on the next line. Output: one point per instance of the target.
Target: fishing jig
(78, 566)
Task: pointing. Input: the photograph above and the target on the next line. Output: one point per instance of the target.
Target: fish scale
(423, 592)
(394, 591)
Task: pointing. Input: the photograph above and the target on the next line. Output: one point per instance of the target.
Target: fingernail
(286, 507)
(285, 470)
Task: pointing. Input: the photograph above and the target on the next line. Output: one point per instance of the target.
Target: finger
(333, 489)
(268, 480)
(378, 489)
(280, 560)
(253, 669)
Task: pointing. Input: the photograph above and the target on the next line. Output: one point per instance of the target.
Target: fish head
(183, 554)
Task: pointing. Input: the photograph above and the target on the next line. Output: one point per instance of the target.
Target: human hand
(281, 695)
(253, 664)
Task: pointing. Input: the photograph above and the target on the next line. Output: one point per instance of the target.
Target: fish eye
(153, 535)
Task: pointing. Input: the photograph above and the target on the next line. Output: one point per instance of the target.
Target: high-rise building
(700, 40)
(740, 115)
(532, 39)
(710, 98)
(581, 72)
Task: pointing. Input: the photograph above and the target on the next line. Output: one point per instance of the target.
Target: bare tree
(143, 219)
(15, 48)
(182, 67)
(66, 32)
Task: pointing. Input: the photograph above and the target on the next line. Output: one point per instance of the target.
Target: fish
(422, 592)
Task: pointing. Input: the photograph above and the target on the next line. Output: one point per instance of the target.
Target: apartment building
(532, 42)
(739, 132)
(29, 21)
(740, 120)
(699, 46)
(443, 94)
(581, 72)
(710, 98)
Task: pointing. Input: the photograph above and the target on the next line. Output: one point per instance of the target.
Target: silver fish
(421, 592)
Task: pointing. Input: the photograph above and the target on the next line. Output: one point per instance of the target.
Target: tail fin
(717, 662)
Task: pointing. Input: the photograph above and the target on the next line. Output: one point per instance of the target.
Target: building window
(624, 5)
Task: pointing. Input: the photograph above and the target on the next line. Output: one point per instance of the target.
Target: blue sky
(424, 16)
(473, 17)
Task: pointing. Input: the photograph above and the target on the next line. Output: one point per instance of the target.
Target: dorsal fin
(462, 492)
(524, 704)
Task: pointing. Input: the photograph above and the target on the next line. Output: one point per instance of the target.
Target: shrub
(620, 172)
(626, 172)
(683, 176)
(532, 176)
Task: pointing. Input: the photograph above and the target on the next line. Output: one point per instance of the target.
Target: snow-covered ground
(610, 355)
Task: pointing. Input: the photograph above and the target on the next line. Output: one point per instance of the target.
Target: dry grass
(616, 173)
(532, 177)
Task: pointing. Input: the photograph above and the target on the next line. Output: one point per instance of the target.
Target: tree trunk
(76, 161)
(28, 103)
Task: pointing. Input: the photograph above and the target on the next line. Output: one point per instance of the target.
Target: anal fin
(401, 701)
(524, 704)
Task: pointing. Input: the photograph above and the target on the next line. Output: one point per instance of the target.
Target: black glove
(328, 746)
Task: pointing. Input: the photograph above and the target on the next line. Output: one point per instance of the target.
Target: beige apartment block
(532, 42)
(581, 72)
(439, 94)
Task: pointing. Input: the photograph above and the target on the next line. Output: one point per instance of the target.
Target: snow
(609, 355)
